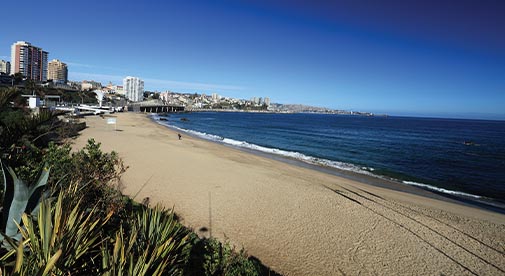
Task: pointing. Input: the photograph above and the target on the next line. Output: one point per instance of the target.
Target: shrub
(96, 174)
(213, 258)
(93, 165)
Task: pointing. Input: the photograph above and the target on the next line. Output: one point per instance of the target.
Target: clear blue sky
(423, 58)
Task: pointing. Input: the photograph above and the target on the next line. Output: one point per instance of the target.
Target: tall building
(215, 97)
(5, 67)
(134, 89)
(57, 71)
(29, 60)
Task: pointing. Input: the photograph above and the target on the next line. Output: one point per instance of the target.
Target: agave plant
(153, 246)
(19, 198)
(21, 269)
(61, 239)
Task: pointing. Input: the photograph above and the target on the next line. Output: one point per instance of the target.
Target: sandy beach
(296, 220)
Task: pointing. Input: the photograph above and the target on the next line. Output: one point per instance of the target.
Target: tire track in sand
(501, 252)
(349, 194)
(444, 236)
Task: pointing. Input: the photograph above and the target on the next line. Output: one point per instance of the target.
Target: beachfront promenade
(296, 220)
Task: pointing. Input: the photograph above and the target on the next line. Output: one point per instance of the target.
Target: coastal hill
(300, 108)
(199, 102)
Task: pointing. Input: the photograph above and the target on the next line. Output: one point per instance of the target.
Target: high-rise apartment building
(215, 97)
(5, 67)
(134, 89)
(57, 71)
(29, 60)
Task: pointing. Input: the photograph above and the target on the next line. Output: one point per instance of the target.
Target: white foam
(442, 190)
(299, 156)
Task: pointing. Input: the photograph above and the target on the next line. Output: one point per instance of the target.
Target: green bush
(213, 258)
(95, 173)
(24, 135)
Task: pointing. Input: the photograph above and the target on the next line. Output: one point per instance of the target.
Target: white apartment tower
(215, 97)
(134, 89)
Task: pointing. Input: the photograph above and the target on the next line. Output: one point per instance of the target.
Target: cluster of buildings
(214, 101)
(260, 101)
(32, 63)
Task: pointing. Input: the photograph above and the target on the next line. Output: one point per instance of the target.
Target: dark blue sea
(462, 158)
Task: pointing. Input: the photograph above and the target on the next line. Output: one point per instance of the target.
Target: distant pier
(154, 107)
(157, 108)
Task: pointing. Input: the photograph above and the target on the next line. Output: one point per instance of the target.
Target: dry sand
(296, 220)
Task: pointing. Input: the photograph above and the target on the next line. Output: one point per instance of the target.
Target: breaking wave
(440, 190)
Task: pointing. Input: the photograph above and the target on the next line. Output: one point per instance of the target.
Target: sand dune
(296, 220)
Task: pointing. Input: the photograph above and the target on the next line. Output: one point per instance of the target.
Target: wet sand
(297, 220)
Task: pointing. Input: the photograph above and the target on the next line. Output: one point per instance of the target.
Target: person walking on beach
(179, 135)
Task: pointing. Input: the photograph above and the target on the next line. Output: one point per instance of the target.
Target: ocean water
(462, 158)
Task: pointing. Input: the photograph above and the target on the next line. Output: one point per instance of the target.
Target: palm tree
(17, 78)
(33, 88)
(6, 96)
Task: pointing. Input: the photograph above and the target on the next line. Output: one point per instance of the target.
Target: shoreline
(371, 179)
(299, 221)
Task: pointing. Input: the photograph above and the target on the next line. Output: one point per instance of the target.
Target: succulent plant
(153, 246)
(19, 197)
